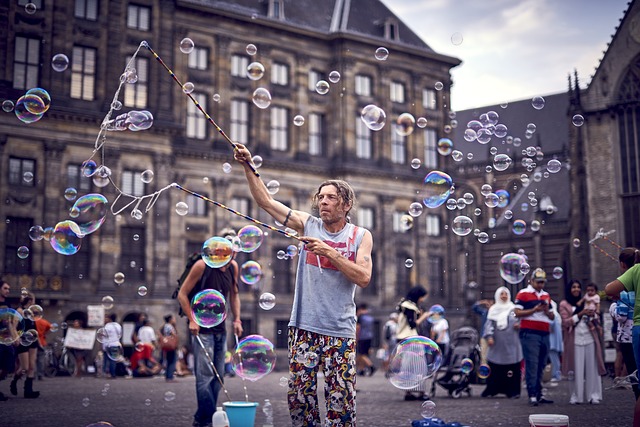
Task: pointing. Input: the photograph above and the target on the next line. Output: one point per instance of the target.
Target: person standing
(214, 339)
(146, 334)
(622, 313)
(364, 338)
(583, 350)
(27, 353)
(533, 309)
(113, 331)
(335, 259)
(481, 308)
(169, 330)
(390, 332)
(43, 327)
(505, 353)
(556, 344)
(7, 352)
(439, 329)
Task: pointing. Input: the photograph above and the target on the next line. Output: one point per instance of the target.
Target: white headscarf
(500, 311)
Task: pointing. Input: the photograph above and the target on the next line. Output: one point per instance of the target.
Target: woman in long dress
(505, 352)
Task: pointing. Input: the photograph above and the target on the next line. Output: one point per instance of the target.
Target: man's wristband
(238, 321)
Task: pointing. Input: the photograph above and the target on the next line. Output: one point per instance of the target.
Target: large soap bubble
(373, 117)
(251, 272)
(11, 326)
(254, 357)
(217, 252)
(413, 360)
(511, 268)
(91, 210)
(250, 237)
(66, 238)
(209, 308)
(437, 187)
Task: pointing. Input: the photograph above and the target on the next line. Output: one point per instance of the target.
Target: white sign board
(127, 330)
(95, 316)
(82, 339)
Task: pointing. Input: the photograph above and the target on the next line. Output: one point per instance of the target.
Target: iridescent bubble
(413, 360)
(250, 237)
(23, 114)
(322, 87)
(577, 120)
(576, 243)
(146, 176)
(89, 168)
(186, 45)
(537, 102)
(373, 117)
(406, 222)
(415, 209)
(298, 120)
(34, 104)
(437, 187)
(255, 71)
(486, 189)
(257, 161)
(226, 167)
(37, 311)
(483, 136)
(292, 250)
(251, 49)
(209, 308)
(558, 272)
(261, 98)
(116, 105)
(267, 301)
(554, 166)
(70, 194)
(142, 290)
(188, 87)
(416, 163)
(501, 162)
(107, 302)
(47, 233)
(408, 263)
(253, 358)
(445, 146)
(483, 237)
(54, 327)
(519, 227)
(182, 208)
(466, 365)
(23, 252)
(462, 225)
(60, 62)
(405, 124)
(217, 252)
(428, 410)
(484, 371)
(492, 200)
(382, 53)
(119, 278)
(66, 238)
(511, 267)
(7, 105)
(115, 352)
(92, 210)
(273, 186)
(250, 272)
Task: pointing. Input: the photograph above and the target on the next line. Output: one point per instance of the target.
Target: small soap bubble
(226, 167)
(416, 163)
(208, 308)
(60, 62)
(147, 402)
(406, 222)
(116, 105)
(408, 263)
(217, 251)
(382, 53)
(186, 45)
(298, 120)
(322, 87)
(462, 225)
(466, 365)
(457, 155)
(188, 87)
(439, 86)
(7, 105)
(577, 120)
(118, 278)
(415, 209)
(373, 117)
(70, 194)
(250, 272)
(405, 124)
(428, 409)
(261, 98)
(445, 146)
(182, 208)
(558, 272)
(437, 187)
(250, 237)
(456, 39)
(86, 402)
(251, 49)
(267, 301)
(169, 396)
(30, 8)
(421, 122)
(255, 71)
(253, 358)
(107, 302)
(537, 102)
(519, 227)
(36, 233)
(334, 76)
(273, 186)
(136, 214)
(23, 252)
(257, 161)
(142, 290)
(216, 97)
(483, 237)
(576, 243)
(146, 176)
(484, 371)
(281, 254)
(284, 382)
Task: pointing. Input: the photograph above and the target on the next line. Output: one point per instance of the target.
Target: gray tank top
(324, 298)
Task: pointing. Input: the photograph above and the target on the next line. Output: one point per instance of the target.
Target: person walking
(27, 353)
(533, 309)
(169, 330)
(556, 344)
(113, 332)
(390, 333)
(364, 338)
(336, 258)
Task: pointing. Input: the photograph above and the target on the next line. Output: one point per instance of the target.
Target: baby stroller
(463, 344)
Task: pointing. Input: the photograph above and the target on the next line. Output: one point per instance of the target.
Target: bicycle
(54, 364)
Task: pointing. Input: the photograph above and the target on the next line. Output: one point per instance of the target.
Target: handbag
(168, 342)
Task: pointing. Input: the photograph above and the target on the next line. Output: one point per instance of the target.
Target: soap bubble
(261, 98)
(334, 76)
(492, 200)
(503, 198)
(216, 97)
(462, 225)
(558, 273)
(405, 124)
(23, 252)
(466, 365)
(577, 120)
(322, 87)
(118, 278)
(421, 122)
(107, 302)
(554, 166)
(70, 194)
(186, 45)
(226, 167)
(60, 62)
(29, 337)
(146, 176)
(273, 186)
(250, 237)
(406, 222)
(188, 87)
(42, 103)
(408, 263)
(501, 162)
(483, 237)
(169, 396)
(428, 409)
(253, 358)
(36, 311)
(438, 86)
(445, 146)
(257, 161)
(22, 113)
(250, 272)
(292, 250)
(7, 105)
(576, 243)
(102, 335)
(456, 39)
(92, 211)
(217, 252)
(382, 53)
(415, 163)
(373, 117)
(484, 371)
(415, 209)
(66, 238)
(255, 71)
(36, 233)
(142, 290)
(298, 120)
(30, 8)
(413, 360)
(436, 189)
(500, 131)
(535, 225)
(267, 301)
(511, 268)
(251, 49)
(115, 352)
(519, 227)
(182, 208)
(537, 102)
(456, 155)
(89, 168)
(209, 308)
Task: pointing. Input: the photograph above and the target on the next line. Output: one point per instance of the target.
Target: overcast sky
(513, 49)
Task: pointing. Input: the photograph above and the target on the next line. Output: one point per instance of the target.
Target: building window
(316, 135)
(26, 63)
(196, 121)
(363, 85)
(17, 235)
(22, 172)
(279, 128)
(83, 73)
(239, 66)
(396, 94)
(363, 140)
(198, 59)
(429, 99)
(435, 276)
(132, 185)
(314, 77)
(398, 225)
(430, 148)
(139, 17)
(197, 206)
(398, 146)
(628, 121)
(240, 204)
(86, 9)
(280, 74)
(391, 30)
(239, 129)
(132, 254)
(433, 225)
(136, 94)
(77, 180)
(366, 217)
(276, 9)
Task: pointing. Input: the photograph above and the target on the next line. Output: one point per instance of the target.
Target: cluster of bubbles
(30, 107)
(253, 358)
(289, 253)
(413, 361)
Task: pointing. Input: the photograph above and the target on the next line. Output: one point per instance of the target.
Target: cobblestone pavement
(70, 402)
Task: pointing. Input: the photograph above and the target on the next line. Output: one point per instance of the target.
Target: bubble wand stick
(197, 104)
(244, 384)
(215, 371)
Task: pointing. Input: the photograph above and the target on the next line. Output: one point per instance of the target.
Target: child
(591, 301)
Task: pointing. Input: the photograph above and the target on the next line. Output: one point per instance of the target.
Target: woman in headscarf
(582, 362)
(505, 351)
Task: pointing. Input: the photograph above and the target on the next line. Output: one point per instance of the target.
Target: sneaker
(533, 401)
(542, 399)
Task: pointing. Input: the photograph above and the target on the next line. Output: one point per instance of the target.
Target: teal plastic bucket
(241, 414)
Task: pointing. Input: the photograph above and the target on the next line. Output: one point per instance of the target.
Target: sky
(513, 49)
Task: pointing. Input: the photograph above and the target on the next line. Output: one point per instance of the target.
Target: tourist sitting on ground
(142, 362)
